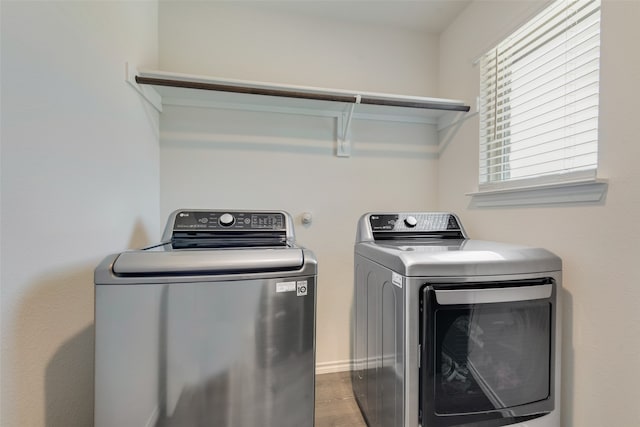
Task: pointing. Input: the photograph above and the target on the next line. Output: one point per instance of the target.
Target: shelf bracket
(343, 148)
(149, 94)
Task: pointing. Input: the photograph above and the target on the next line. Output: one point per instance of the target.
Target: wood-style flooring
(335, 404)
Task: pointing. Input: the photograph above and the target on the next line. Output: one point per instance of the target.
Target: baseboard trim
(333, 366)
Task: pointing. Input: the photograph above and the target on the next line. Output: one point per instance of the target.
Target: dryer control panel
(384, 226)
(413, 222)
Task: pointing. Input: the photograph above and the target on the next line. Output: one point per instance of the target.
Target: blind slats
(538, 125)
(580, 148)
(580, 41)
(550, 103)
(558, 64)
(551, 140)
(539, 95)
(548, 145)
(552, 68)
(514, 48)
(585, 162)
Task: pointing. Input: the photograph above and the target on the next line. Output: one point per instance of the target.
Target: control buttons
(410, 221)
(226, 220)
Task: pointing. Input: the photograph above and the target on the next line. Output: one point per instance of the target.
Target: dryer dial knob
(410, 221)
(226, 220)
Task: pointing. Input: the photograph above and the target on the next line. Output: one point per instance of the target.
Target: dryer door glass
(491, 356)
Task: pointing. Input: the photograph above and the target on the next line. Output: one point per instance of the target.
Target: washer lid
(214, 261)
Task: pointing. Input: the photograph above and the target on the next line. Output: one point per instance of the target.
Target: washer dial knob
(410, 221)
(226, 220)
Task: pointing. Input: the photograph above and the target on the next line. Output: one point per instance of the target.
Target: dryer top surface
(458, 257)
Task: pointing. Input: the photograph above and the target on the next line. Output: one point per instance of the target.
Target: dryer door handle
(492, 295)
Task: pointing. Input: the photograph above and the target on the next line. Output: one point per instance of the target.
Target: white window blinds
(539, 99)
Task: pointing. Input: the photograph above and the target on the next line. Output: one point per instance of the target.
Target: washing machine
(212, 327)
(451, 331)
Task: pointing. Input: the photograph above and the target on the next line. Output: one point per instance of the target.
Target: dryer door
(487, 352)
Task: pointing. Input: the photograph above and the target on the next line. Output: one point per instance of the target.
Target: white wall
(261, 41)
(598, 243)
(79, 180)
(248, 160)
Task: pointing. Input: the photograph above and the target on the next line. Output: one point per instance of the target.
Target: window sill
(591, 191)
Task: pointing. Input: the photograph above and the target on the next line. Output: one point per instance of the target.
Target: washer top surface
(440, 248)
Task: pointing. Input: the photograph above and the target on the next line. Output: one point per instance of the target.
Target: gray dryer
(451, 331)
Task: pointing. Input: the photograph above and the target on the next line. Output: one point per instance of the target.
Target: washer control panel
(232, 220)
(413, 222)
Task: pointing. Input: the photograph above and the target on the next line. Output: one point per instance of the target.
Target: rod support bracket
(343, 148)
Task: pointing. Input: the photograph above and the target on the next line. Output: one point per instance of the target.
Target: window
(539, 100)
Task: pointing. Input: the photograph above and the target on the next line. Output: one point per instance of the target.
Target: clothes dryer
(451, 331)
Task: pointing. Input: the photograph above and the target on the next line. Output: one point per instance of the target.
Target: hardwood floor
(335, 404)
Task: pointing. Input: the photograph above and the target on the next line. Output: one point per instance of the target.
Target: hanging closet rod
(299, 94)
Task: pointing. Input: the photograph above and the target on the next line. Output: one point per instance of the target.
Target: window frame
(575, 187)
